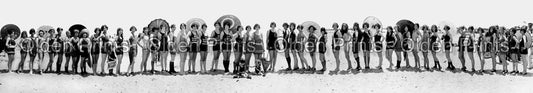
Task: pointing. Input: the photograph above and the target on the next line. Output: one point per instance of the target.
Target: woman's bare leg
(337, 60)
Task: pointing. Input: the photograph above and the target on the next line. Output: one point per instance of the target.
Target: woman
(447, 37)
(433, 42)
(311, 45)
(398, 48)
(322, 48)
(249, 47)
(60, 41)
(503, 48)
(523, 46)
(216, 35)
(173, 47)
(68, 49)
(366, 37)
(481, 48)
(287, 52)
(391, 41)
(163, 50)
(95, 48)
(121, 48)
(203, 48)
(183, 37)
(144, 43)
(300, 39)
(43, 48)
(492, 45)
(10, 49)
(111, 57)
(378, 41)
(470, 46)
(52, 53)
(194, 47)
(425, 44)
(105, 42)
(293, 45)
(84, 46)
(33, 51)
(415, 35)
(24, 46)
(336, 47)
(76, 54)
(259, 48)
(272, 36)
(132, 52)
(154, 47)
(238, 48)
(514, 49)
(346, 37)
(226, 46)
(356, 43)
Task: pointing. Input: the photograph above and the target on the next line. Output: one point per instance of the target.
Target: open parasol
(78, 27)
(230, 19)
(10, 27)
(197, 21)
(402, 24)
(157, 23)
(308, 24)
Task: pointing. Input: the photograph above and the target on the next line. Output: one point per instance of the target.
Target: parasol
(78, 27)
(402, 24)
(197, 21)
(371, 20)
(10, 27)
(308, 24)
(230, 19)
(157, 23)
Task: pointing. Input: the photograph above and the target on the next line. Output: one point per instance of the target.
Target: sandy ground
(386, 80)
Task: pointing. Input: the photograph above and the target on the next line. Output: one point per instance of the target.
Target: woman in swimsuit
(60, 51)
(144, 43)
(447, 37)
(390, 39)
(322, 48)
(272, 35)
(10, 49)
(378, 41)
(336, 47)
(293, 45)
(226, 46)
(300, 41)
(346, 38)
(481, 47)
(287, 52)
(424, 45)
(104, 42)
(203, 48)
(311, 45)
(163, 49)
(434, 39)
(193, 45)
(121, 45)
(95, 48)
(23, 50)
(356, 44)
(183, 37)
(85, 46)
(216, 35)
(366, 38)
(33, 51)
(173, 48)
(470, 46)
(259, 49)
(238, 48)
(51, 53)
(132, 52)
(76, 54)
(248, 47)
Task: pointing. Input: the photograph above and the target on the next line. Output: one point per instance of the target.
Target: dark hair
(248, 27)
(446, 27)
(311, 27)
(217, 23)
(256, 26)
(323, 31)
(204, 26)
(366, 25)
(356, 26)
(344, 28)
(32, 31)
(97, 29)
(434, 28)
(119, 29)
(272, 24)
(104, 27)
(377, 26)
(226, 24)
(425, 27)
(285, 25)
(194, 25)
(417, 25)
(59, 29)
(183, 25)
(238, 27)
(173, 26)
(481, 30)
(299, 27)
(133, 27)
(471, 28)
(335, 25)
(24, 34)
(292, 25)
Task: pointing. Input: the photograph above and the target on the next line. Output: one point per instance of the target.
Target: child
(240, 69)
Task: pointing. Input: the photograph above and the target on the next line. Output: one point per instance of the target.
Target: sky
(126, 13)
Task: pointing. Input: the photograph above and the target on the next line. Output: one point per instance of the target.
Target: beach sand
(385, 81)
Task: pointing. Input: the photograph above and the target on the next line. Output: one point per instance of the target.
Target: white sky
(125, 13)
